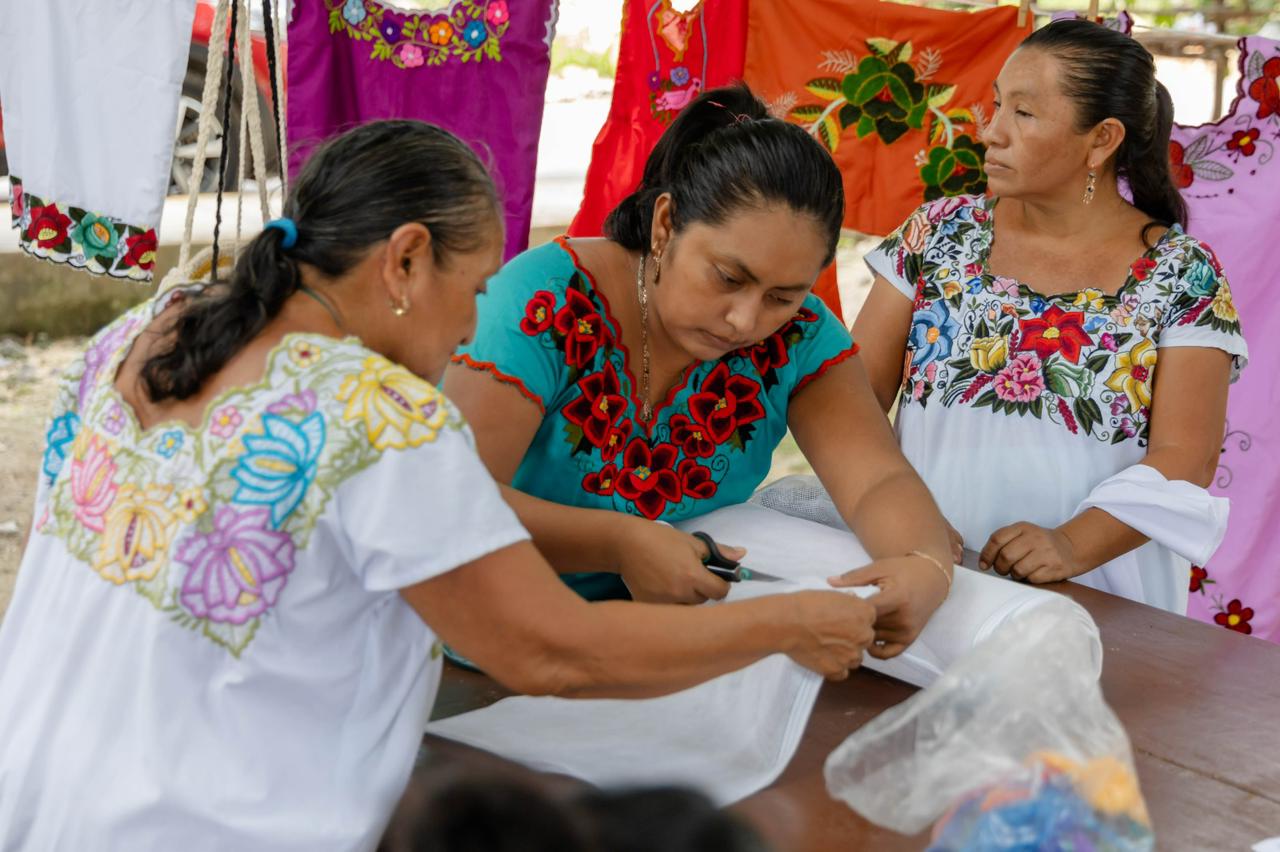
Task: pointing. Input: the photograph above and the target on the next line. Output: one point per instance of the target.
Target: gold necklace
(642, 294)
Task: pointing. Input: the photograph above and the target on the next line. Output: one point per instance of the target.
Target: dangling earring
(400, 308)
(1088, 187)
(657, 267)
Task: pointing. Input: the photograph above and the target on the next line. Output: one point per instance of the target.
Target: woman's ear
(661, 228)
(409, 260)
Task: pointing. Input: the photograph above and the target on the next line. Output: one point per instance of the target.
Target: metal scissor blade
(749, 574)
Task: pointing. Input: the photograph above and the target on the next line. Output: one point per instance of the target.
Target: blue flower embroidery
(1095, 323)
(679, 75)
(354, 12)
(1202, 280)
(279, 465)
(62, 431)
(475, 33)
(170, 442)
(974, 285)
(932, 332)
(1038, 305)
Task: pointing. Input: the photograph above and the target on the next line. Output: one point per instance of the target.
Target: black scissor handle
(717, 563)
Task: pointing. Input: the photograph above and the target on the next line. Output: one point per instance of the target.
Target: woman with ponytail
(1023, 330)
(648, 376)
(256, 514)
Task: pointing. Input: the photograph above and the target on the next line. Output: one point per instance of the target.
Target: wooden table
(1201, 705)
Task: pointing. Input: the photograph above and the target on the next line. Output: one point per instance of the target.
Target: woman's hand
(957, 544)
(1025, 551)
(911, 588)
(833, 629)
(661, 564)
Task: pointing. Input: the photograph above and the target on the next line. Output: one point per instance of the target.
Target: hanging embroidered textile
(665, 58)
(90, 94)
(896, 93)
(478, 69)
(1228, 172)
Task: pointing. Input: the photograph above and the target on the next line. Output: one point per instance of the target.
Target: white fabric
(124, 728)
(733, 735)
(90, 92)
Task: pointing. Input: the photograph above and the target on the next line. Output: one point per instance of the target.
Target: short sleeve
(420, 512)
(824, 342)
(513, 340)
(898, 259)
(1200, 311)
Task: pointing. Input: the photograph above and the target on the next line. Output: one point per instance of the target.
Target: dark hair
(664, 819)
(1110, 75)
(352, 193)
(725, 152)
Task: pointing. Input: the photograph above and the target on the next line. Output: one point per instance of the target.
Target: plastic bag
(1014, 743)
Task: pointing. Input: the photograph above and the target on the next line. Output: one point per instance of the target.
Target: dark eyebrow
(741, 270)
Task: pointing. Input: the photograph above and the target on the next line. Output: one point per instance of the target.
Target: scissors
(729, 570)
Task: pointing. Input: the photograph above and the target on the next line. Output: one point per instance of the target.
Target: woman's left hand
(911, 588)
(1025, 551)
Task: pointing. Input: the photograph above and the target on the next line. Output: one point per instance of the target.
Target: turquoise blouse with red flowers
(545, 328)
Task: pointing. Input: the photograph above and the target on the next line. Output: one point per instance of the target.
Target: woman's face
(1033, 147)
(733, 284)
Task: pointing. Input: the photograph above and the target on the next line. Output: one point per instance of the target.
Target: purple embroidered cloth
(475, 67)
(1229, 174)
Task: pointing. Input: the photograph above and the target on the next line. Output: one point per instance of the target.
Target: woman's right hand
(661, 564)
(832, 630)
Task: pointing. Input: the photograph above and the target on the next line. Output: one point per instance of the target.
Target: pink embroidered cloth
(1229, 174)
(477, 68)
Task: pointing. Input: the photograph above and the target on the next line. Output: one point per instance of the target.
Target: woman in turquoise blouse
(649, 376)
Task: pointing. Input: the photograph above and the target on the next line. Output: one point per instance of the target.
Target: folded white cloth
(735, 734)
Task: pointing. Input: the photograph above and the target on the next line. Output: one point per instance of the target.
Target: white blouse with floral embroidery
(1016, 405)
(206, 648)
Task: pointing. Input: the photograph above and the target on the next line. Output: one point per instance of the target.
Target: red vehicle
(189, 106)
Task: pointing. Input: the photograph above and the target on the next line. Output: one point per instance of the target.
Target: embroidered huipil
(1015, 404)
(206, 648)
(546, 328)
(476, 68)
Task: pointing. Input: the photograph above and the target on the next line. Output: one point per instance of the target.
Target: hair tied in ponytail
(286, 226)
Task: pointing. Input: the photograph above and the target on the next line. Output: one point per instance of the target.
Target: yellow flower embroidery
(1089, 299)
(1133, 373)
(951, 289)
(398, 409)
(1222, 306)
(191, 504)
(988, 354)
(135, 542)
(304, 353)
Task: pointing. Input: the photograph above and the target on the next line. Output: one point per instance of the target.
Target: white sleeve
(898, 257)
(1201, 311)
(421, 512)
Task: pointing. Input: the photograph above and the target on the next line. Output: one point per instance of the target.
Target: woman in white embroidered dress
(1030, 324)
(255, 515)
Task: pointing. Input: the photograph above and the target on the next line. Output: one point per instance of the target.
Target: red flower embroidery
(1183, 174)
(1198, 577)
(598, 405)
(602, 481)
(142, 250)
(691, 437)
(1266, 89)
(616, 441)
(769, 354)
(696, 480)
(539, 313)
(1057, 331)
(1142, 267)
(15, 203)
(647, 478)
(582, 327)
(48, 226)
(1244, 141)
(1235, 617)
(725, 403)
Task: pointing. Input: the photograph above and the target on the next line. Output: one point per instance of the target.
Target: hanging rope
(224, 153)
(273, 46)
(249, 106)
(208, 110)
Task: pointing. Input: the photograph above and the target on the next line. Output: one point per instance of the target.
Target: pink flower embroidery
(305, 401)
(1119, 405)
(115, 419)
(226, 421)
(1108, 342)
(236, 571)
(411, 55)
(92, 482)
(1005, 286)
(98, 354)
(497, 13)
(1021, 380)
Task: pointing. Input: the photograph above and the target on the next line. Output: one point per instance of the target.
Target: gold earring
(400, 308)
(1088, 187)
(657, 267)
